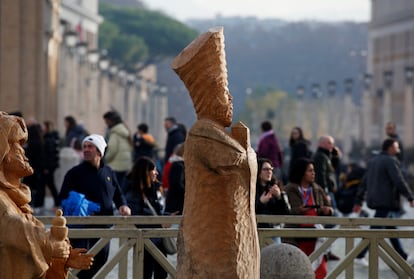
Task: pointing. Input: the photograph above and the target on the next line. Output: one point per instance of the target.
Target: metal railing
(132, 238)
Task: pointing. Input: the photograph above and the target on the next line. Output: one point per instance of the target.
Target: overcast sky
(326, 10)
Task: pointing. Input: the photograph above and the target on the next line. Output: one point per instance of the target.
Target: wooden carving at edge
(218, 236)
(28, 250)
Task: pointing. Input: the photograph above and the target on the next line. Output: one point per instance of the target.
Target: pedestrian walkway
(361, 272)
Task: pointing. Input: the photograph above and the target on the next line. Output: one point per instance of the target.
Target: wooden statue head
(202, 68)
(13, 134)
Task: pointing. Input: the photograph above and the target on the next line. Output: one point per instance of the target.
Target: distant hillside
(125, 3)
(278, 54)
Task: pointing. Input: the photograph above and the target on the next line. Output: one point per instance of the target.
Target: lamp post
(113, 71)
(103, 63)
(253, 115)
(331, 87)
(408, 106)
(93, 58)
(149, 89)
(387, 106)
(67, 74)
(70, 38)
(160, 111)
(316, 94)
(129, 96)
(366, 110)
(380, 112)
(82, 50)
(300, 94)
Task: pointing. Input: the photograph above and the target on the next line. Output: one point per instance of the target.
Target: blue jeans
(333, 204)
(395, 242)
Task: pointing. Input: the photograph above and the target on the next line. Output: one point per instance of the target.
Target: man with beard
(218, 237)
(27, 249)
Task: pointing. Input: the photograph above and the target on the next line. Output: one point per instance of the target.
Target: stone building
(29, 43)
(51, 66)
(391, 62)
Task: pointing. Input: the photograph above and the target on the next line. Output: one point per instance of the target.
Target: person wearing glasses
(270, 198)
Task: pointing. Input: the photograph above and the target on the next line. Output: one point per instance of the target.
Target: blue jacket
(98, 185)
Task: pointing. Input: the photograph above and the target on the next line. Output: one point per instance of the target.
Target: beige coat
(118, 154)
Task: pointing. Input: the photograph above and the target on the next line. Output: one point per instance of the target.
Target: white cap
(98, 141)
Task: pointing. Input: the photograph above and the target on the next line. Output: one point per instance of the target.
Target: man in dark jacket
(391, 132)
(384, 184)
(99, 184)
(51, 148)
(325, 159)
(175, 136)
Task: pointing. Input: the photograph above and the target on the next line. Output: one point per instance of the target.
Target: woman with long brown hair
(143, 192)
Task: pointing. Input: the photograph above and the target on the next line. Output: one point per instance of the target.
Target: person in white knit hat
(98, 183)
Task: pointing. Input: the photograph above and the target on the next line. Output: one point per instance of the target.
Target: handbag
(169, 243)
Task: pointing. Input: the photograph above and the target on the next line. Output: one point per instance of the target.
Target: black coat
(175, 195)
(273, 207)
(51, 148)
(175, 137)
(384, 184)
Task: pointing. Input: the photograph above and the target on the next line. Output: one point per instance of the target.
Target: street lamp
(163, 90)
(331, 88)
(82, 49)
(130, 78)
(349, 82)
(409, 75)
(63, 26)
(316, 90)
(387, 75)
(113, 70)
(138, 82)
(367, 81)
(300, 92)
(70, 38)
(122, 76)
(103, 64)
(93, 57)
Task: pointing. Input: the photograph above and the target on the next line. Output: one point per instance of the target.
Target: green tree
(135, 36)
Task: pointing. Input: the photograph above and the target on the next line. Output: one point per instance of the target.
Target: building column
(347, 120)
(316, 95)
(408, 107)
(387, 110)
(331, 117)
(300, 94)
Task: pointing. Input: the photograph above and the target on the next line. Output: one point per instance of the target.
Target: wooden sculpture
(27, 249)
(218, 237)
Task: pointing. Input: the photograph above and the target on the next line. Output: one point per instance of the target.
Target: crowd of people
(320, 183)
(118, 168)
(123, 168)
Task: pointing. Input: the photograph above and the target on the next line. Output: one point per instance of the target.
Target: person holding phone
(309, 199)
(270, 197)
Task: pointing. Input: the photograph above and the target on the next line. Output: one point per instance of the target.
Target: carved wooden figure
(218, 236)
(27, 249)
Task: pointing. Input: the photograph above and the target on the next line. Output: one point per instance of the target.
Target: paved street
(384, 271)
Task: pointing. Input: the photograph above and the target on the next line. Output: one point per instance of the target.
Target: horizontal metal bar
(276, 219)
